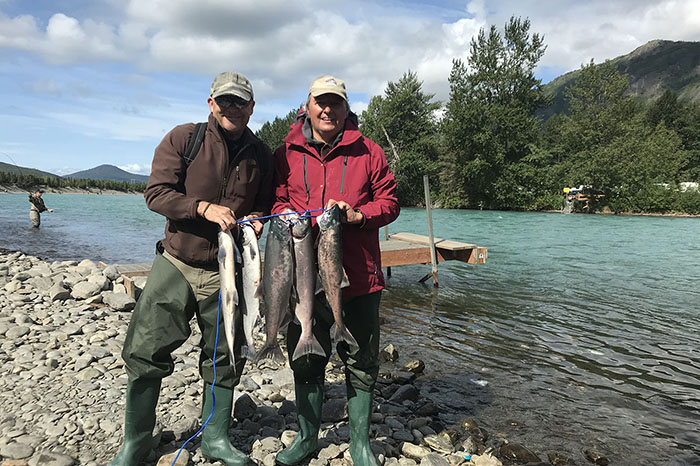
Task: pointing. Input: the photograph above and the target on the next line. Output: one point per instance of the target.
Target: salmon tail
(308, 346)
(270, 351)
(343, 334)
(248, 352)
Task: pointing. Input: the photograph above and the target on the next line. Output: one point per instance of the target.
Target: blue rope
(213, 398)
(249, 220)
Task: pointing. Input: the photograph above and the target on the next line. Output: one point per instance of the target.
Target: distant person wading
(37, 207)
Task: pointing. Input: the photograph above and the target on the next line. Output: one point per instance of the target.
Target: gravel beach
(62, 383)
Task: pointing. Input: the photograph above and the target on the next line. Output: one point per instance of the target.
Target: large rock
(58, 292)
(415, 452)
(84, 290)
(118, 301)
(112, 272)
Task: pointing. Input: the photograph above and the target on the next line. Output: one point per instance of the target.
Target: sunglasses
(231, 101)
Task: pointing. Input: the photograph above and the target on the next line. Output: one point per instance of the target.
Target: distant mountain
(109, 172)
(10, 168)
(651, 69)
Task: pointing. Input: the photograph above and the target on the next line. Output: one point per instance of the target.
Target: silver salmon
(277, 285)
(252, 288)
(330, 268)
(228, 293)
(305, 278)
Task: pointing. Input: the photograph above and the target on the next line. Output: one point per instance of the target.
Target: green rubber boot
(215, 443)
(309, 403)
(360, 412)
(139, 420)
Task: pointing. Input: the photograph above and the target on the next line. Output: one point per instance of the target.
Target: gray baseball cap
(232, 83)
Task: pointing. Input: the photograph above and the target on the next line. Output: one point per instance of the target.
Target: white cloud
(140, 67)
(136, 168)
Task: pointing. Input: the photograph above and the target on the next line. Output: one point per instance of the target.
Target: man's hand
(256, 224)
(221, 215)
(347, 213)
(50, 210)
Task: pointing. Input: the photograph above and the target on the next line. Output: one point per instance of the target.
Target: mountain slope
(11, 168)
(651, 69)
(109, 172)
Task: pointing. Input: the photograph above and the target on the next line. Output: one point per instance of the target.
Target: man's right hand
(221, 215)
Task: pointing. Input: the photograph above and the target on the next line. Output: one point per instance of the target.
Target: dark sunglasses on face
(226, 101)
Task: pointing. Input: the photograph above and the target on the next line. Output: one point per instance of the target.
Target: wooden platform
(399, 249)
(409, 248)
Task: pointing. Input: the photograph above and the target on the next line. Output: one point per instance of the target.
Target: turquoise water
(579, 332)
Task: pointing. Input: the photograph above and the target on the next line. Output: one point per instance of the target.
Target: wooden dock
(399, 249)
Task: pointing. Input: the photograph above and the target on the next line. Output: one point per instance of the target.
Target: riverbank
(12, 189)
(62, 385)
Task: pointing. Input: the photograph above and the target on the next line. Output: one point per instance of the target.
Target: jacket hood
(351, 131)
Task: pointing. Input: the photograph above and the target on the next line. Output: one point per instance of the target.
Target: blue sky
(89, 82)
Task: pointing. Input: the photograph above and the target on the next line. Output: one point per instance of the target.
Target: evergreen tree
(273, 134)
(403, 122)
(490, 125)
(606, 146)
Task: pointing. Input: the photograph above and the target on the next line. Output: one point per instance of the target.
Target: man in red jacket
(324, 161)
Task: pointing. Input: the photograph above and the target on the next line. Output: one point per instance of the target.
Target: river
(580, 331)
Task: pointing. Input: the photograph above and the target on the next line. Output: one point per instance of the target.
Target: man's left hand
(257, 226)
(347, 213)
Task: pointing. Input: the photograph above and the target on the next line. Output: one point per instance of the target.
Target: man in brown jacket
(230, 177)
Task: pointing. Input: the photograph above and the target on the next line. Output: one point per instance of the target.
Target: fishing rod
(15, 164)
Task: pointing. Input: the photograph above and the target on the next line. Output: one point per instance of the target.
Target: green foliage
(273, 134)
(489, 125)
(30, 182)
(403, 122)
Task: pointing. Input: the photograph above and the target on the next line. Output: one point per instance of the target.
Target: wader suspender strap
(195, 143)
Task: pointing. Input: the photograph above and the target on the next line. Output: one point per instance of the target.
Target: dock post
(433, 253)
(386, 238)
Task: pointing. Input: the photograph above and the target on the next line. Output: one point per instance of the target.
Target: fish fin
(319, 285)
(271, 351)
(308, 346)
(287, 317)
(260, 291)
(345, 282)
(343, 334)
(248, 352)
(221, 255)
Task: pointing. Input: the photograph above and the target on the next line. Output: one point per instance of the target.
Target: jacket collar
(350, 134)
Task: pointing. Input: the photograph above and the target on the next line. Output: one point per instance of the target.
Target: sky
(91, 82)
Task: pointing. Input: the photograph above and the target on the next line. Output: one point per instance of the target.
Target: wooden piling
(433, 253)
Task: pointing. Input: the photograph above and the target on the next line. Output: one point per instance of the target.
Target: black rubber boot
(360, 412)
(309, 403)
(139, 420)
(215, 442)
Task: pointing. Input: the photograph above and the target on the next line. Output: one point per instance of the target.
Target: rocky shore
(62, 383)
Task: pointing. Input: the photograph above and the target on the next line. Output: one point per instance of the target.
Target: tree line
(31, 183)
(488, 147)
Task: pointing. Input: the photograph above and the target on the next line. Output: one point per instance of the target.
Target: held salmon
(330, 268)
(277, 286)
(252, 288)
(228, 294)
(305, 278)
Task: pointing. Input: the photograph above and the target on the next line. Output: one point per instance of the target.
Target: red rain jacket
(359, 165)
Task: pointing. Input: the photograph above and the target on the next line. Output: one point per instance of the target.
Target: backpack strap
(194, 143)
